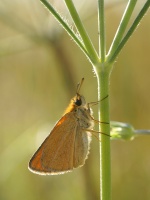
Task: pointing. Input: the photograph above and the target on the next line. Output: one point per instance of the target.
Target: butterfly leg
(93, 131)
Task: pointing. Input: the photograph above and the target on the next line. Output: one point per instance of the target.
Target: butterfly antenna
(79, 86)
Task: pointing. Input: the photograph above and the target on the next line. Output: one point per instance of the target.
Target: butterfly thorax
(83, 112)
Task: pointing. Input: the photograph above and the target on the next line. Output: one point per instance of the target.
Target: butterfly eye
(78, 102)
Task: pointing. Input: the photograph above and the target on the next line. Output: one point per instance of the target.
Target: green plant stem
(102, 68)
(101, 30)
(105, 161)
(122, 26)
(78, 23)
(112, 56)
(65, 26)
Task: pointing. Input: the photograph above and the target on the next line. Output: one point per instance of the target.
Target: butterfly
(67, 145)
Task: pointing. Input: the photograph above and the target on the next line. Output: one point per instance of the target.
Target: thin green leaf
(130, 32)
(122, 26)
(78, 23)
(66, 27)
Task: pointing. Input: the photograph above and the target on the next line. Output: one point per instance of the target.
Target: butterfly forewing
(57, 152)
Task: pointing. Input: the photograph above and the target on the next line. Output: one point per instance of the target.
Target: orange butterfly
(67, 146)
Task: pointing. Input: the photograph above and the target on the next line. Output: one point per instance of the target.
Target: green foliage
(102, 66)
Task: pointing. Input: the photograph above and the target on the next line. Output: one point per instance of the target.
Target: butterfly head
(79, 100)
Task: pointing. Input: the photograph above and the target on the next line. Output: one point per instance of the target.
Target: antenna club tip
(79, 86)
(82, 80)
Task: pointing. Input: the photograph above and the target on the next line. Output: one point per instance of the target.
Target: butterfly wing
(56, 154)
(81, 147)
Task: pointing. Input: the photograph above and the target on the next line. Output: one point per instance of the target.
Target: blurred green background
(39, 69)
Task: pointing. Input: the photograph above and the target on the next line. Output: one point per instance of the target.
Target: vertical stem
(101, 30)
(105, 161)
